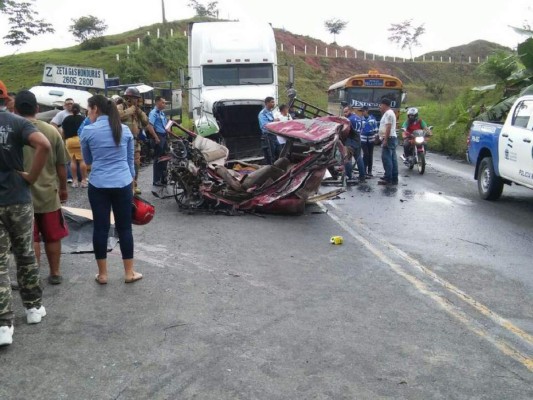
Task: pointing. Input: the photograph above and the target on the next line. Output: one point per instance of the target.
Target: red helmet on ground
(143, 211)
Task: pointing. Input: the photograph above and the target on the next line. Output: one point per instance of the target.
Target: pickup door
(515, 147)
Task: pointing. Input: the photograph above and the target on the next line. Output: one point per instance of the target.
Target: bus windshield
(238, 74)
(359, 97)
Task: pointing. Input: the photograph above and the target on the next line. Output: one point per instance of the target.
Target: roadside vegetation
(441, 91)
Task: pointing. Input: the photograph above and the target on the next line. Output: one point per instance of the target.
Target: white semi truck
(232, 69)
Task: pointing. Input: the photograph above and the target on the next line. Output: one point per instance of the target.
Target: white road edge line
(453, 310)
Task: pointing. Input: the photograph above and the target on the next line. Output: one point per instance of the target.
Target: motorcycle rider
(135, 118)
(412, 124)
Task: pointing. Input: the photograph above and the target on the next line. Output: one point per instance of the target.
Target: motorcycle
(199, 177)
(417, 155)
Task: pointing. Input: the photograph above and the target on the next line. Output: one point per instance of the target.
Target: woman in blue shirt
(108, 146)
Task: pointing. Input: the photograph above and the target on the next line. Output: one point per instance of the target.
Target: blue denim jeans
(120, 200)
(390, 161)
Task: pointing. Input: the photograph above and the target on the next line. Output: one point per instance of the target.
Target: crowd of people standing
(35, 157)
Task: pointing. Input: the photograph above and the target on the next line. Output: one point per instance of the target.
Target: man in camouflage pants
(136, 119)
(16, 216)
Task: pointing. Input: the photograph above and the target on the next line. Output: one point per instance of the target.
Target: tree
(211, 10)
(86, 28)
(406, 35)
(500, 65)
(335, 26)
(22, 22)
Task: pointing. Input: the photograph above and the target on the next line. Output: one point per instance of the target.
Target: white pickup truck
(503, 154)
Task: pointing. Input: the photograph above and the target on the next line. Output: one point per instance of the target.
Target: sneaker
(34, 315)
(6, 335)
(55, 279)
(369, 175)
(69, 180)
(383, 182)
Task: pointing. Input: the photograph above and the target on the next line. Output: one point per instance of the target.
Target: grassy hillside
(160, 60)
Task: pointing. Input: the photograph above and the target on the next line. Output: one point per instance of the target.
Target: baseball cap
(3, 91)
(385, 101)
(25, 97)
(364, 108)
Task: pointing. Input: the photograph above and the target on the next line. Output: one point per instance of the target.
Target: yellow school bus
(362, 90)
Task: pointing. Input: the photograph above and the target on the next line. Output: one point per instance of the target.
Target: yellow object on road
(336, 240)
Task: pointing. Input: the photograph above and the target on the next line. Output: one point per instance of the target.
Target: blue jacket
(370, 128)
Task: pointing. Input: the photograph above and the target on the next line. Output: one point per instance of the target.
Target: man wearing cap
(16, 216)
(387, 132)
(353, 145)
(57, 121)
(368, 135)
(50, 189)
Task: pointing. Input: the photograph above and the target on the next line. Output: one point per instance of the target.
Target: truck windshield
(238, 74)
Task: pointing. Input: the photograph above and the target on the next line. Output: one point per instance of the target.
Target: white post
(118, 57)
(326, 51)
(394, 59)
(364, 55)
(432, 58)
(305, 49)
(171, 32)
(469, 59)
(355, 54)
(184, 33)
(293, 49)
(316, 50)
(449, 59)
(282, 47)
(158, 33)
(424, 58)
(138, 43)
(148, 33)
(384, 58)
(478, 59)
(336, 53)
(345, 53)
(373, 57)
(404, 59)
(440, 58)
(128, 49)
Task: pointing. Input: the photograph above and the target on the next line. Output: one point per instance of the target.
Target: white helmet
(412, 111)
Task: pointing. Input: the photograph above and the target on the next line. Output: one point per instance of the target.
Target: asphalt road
(429, 297)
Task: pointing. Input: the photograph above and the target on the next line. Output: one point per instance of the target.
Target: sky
(448, 23)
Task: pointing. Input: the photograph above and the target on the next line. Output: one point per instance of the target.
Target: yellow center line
(423, 288)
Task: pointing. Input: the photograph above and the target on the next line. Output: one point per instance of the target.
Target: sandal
(136, 277)
(84, 184)
(100, 281)
(75, 184)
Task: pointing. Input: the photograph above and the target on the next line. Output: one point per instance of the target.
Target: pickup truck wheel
(489, 185)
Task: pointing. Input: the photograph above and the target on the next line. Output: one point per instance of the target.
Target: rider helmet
(412, 113)
(142, 211)
(132, 92)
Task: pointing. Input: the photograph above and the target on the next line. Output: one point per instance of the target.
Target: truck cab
(232, 69)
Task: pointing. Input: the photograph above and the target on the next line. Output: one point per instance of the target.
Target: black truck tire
(489, 185)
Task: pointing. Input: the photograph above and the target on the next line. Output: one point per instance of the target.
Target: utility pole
(163, 11)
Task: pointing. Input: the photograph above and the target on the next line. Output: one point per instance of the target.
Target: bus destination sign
(91, 78)
(374, 82)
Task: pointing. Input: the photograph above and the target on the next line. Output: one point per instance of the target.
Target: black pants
(368, 155)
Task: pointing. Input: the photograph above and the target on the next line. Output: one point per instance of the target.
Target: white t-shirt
(279, 116)
(60, 116)
(388, 118)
